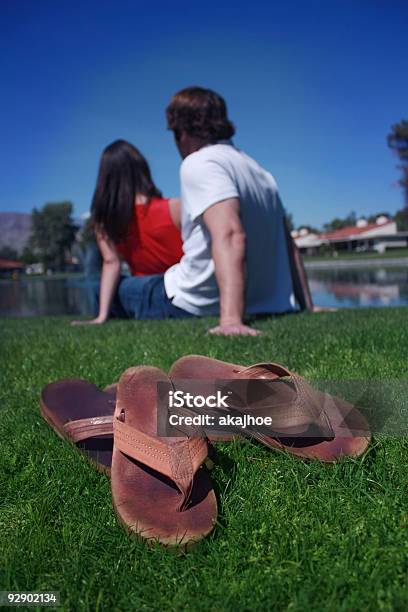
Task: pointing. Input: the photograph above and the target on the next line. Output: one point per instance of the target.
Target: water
(341, 288)
(359, 287)
(30, 297)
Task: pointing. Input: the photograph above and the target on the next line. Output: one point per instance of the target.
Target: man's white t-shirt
(212, 174)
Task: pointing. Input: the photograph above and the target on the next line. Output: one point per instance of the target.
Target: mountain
(15, 229)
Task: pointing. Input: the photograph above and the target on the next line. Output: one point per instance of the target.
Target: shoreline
(383, 262)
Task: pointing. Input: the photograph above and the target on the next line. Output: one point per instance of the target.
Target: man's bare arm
(228, 252)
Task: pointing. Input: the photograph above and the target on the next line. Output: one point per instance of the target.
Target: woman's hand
(97, 321)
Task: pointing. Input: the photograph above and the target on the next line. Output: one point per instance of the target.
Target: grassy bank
(391, 254)
(291, 535)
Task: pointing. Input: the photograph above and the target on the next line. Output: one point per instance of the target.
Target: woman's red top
(153, 243)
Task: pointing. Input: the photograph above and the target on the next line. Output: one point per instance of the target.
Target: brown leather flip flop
(159, 491)
(81, 413)
(345, 430)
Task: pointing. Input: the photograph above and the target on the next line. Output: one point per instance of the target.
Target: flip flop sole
(71, 399)
(169, 530)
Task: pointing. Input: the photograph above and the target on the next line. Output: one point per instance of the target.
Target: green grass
(391, 254)
(291, 535)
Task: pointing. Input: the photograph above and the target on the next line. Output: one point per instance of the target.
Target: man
(236, 256)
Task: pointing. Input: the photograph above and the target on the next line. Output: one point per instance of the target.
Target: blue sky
(312, 87)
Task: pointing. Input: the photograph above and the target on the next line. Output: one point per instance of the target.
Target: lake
(334, 287)
(359, 287)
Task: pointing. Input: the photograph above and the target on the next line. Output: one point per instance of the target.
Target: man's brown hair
(201, 113)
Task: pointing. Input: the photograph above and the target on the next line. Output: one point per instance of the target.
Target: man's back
(210, 175)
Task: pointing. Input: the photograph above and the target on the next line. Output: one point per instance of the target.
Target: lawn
(291, 535)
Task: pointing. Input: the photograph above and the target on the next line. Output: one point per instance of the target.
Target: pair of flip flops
(160, 489)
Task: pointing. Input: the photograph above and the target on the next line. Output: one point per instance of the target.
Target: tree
(401, 219)
(86, 234)
(28, 256)
(373, 218)
(53, 233)
(310, 228)
(398, 141)
(337, 223)
(7, 252)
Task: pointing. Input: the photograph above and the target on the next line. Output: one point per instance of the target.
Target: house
(362, 237)
(9, 267)
(35, 268)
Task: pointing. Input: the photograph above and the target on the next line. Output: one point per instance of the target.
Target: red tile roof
(352, 230)
(7, 264)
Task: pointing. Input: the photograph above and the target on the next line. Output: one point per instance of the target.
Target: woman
(133, 222)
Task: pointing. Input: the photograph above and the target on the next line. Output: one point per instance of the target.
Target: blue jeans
(137, 297)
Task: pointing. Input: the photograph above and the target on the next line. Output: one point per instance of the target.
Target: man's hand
(239, 329)
(324, 309)
(97, 321)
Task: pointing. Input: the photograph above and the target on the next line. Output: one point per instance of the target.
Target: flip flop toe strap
(89, 428)
(178, 460)
(308, 406)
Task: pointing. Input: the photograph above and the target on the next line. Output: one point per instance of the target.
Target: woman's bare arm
(109, 280)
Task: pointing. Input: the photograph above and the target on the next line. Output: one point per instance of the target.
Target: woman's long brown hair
(123, 173)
